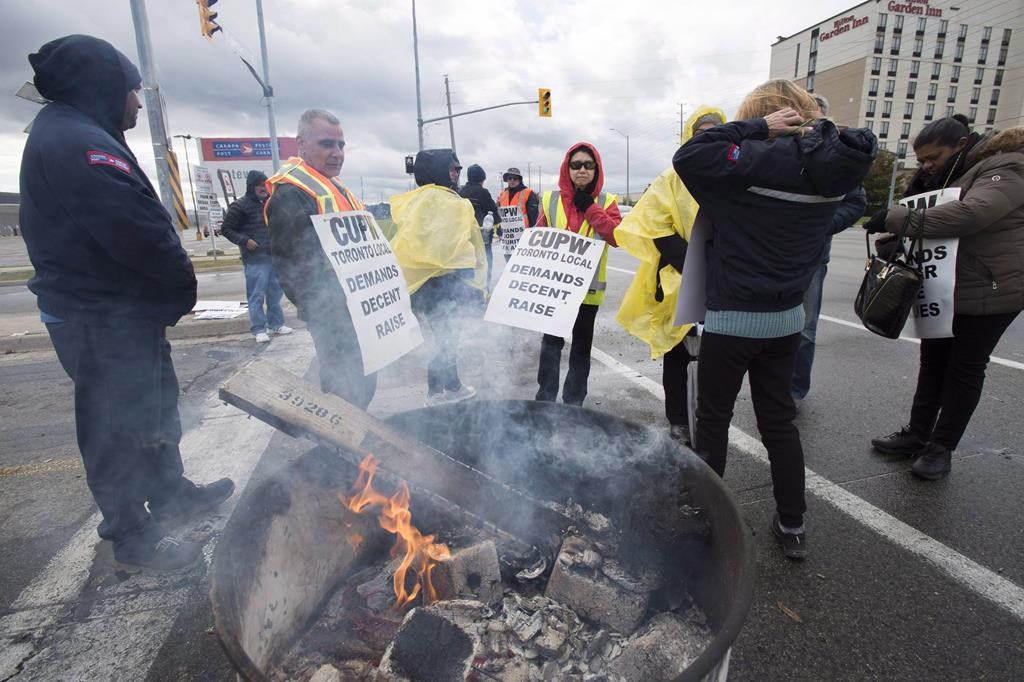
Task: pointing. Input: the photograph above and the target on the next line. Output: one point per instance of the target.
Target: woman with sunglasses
(578, 205)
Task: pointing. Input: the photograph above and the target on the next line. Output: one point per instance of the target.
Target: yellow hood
(702, 110)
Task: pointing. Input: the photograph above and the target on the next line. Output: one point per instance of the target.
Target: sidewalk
(26, 332)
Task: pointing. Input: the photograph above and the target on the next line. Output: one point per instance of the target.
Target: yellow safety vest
(555, 216)
(331, 196)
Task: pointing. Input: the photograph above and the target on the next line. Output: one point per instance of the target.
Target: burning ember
(419, 553)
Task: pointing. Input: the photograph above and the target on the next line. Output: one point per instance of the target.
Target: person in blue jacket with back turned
(111, 275)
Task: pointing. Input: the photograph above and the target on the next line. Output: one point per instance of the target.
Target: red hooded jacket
(604, 221)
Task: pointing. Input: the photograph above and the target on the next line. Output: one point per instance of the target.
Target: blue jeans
(805, 356)
(261, 285)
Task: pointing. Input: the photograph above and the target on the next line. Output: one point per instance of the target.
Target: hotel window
(883, 145)
(943, 27)
(893, 65)
(991, 117)
(905, 131)
(936, 70)
(975, 95)
(955, 76)
(986, 33)
(876, 66)
(999, 78)
(933, 90)
(929, 111)
(911, 89)
(810, 83)
(972, 114)
(979, 75)
(995, 98)
(885, 129)
(921, 23)
(796, 63)
(871, 108)
(812, 63)
(890, 87)
(950, 110)
(901, 150)
(1004, 50)
(940, 45)
(963, 31)
(958, 55)
(896, 43)
(952, 94)
(915, 67)
(870, 126)
(982, 54)
(886, 109)
(873, 87)
(882, 20)
(918, 46)
(1006, 36)
(908, 110)
(898, 26)
(879, 43)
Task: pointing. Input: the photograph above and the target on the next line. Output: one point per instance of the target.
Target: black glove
(582, 201)
(673, 251)
(876, 223)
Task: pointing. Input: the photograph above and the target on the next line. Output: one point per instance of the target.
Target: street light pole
(191, 187)
(268, 91)
(627, 160)
(416, 57)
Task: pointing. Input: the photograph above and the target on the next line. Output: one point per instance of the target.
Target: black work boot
(902, 442)
(933, 462)
(155, 552)
(792, 542)
(191, 500)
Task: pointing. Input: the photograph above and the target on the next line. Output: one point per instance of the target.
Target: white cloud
(624, 65)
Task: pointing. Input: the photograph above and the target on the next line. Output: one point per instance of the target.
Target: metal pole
(191, 186)
(268, 91)
(627, 169)
(892, 179)
(529, 173)
(680, 123)
(540, 180)
(154, 106)
(451, 121)
(362, 193)
(416, 57)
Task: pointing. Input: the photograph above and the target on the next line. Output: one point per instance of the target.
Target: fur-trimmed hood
(1009, 140)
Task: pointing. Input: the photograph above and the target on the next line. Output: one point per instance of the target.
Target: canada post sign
(246, 149)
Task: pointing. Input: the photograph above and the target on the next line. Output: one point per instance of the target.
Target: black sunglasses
(576, 165)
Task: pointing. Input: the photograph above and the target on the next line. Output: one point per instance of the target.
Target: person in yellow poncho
(441, 253)
(656, 231)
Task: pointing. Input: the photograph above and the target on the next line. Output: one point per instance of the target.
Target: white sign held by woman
(546, 280)
(932, 314)
(375, 289)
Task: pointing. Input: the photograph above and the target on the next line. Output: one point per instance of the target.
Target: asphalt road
(906, 579)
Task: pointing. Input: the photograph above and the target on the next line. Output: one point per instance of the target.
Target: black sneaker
(794, 545)
(933, 462)
(192, 501)
(901, 442)
(163, 555)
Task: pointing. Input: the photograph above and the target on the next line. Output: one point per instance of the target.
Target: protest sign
(375, 289)
(932, 314)
(546, 280)
(692, 303)
(512, 225)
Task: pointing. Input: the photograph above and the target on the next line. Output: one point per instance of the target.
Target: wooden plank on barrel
(292, 405)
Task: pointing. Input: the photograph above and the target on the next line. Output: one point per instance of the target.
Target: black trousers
(574, 391)
(337, 351)
(722, 363)
(673, 379)
(951, 377)
(126, 417)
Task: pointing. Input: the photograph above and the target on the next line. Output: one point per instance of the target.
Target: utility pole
(451, 121)
(268, 91)
(680, 122)
(154, 104)
(529, 173)
(416, 57)
(892, 179)
(627, 160)
(540, 181)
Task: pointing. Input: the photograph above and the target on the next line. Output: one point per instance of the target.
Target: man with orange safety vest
(518, 209)
(304, 186)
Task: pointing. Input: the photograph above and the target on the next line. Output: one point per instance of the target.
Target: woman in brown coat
(989, 290)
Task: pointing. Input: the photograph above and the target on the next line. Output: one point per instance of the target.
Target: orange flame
(419, 552)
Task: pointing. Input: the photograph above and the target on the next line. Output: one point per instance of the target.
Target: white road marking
(127, 633)
(971, 575)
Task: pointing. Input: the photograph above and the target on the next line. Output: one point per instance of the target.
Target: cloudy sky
(624, 64)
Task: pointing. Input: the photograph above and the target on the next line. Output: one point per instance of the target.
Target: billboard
(231, 159)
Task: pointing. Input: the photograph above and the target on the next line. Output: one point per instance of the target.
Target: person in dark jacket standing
(245, 226)
(111, 275)
(483, 206)
(850, 211)
(989, 291)
(769, 183)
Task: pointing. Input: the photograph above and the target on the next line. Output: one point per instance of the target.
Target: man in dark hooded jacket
(483, 206)
(245, 226)
(111, 275)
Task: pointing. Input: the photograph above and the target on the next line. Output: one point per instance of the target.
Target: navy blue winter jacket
(770, 203)
(102, 245)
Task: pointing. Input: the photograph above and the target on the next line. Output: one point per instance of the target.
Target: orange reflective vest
(331, 196)
(520, 201)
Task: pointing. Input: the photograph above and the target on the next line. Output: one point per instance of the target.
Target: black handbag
(890, 286)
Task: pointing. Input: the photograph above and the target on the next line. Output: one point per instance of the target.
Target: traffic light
(207, 25)
(410, 164)
(544, 102)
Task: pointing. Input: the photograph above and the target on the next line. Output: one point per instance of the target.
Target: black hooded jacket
(245, 221)
(474, 190)
(770, 203)
(431, 167)
(102, 245)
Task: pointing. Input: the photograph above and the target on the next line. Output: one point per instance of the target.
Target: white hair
(310, 115)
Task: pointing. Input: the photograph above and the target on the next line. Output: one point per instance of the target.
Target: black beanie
(476, 174)
(254, 178)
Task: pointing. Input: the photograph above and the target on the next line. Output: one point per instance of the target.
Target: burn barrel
(273, 568)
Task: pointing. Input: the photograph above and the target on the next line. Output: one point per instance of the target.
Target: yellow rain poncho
(436, 233)
(665, 208)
